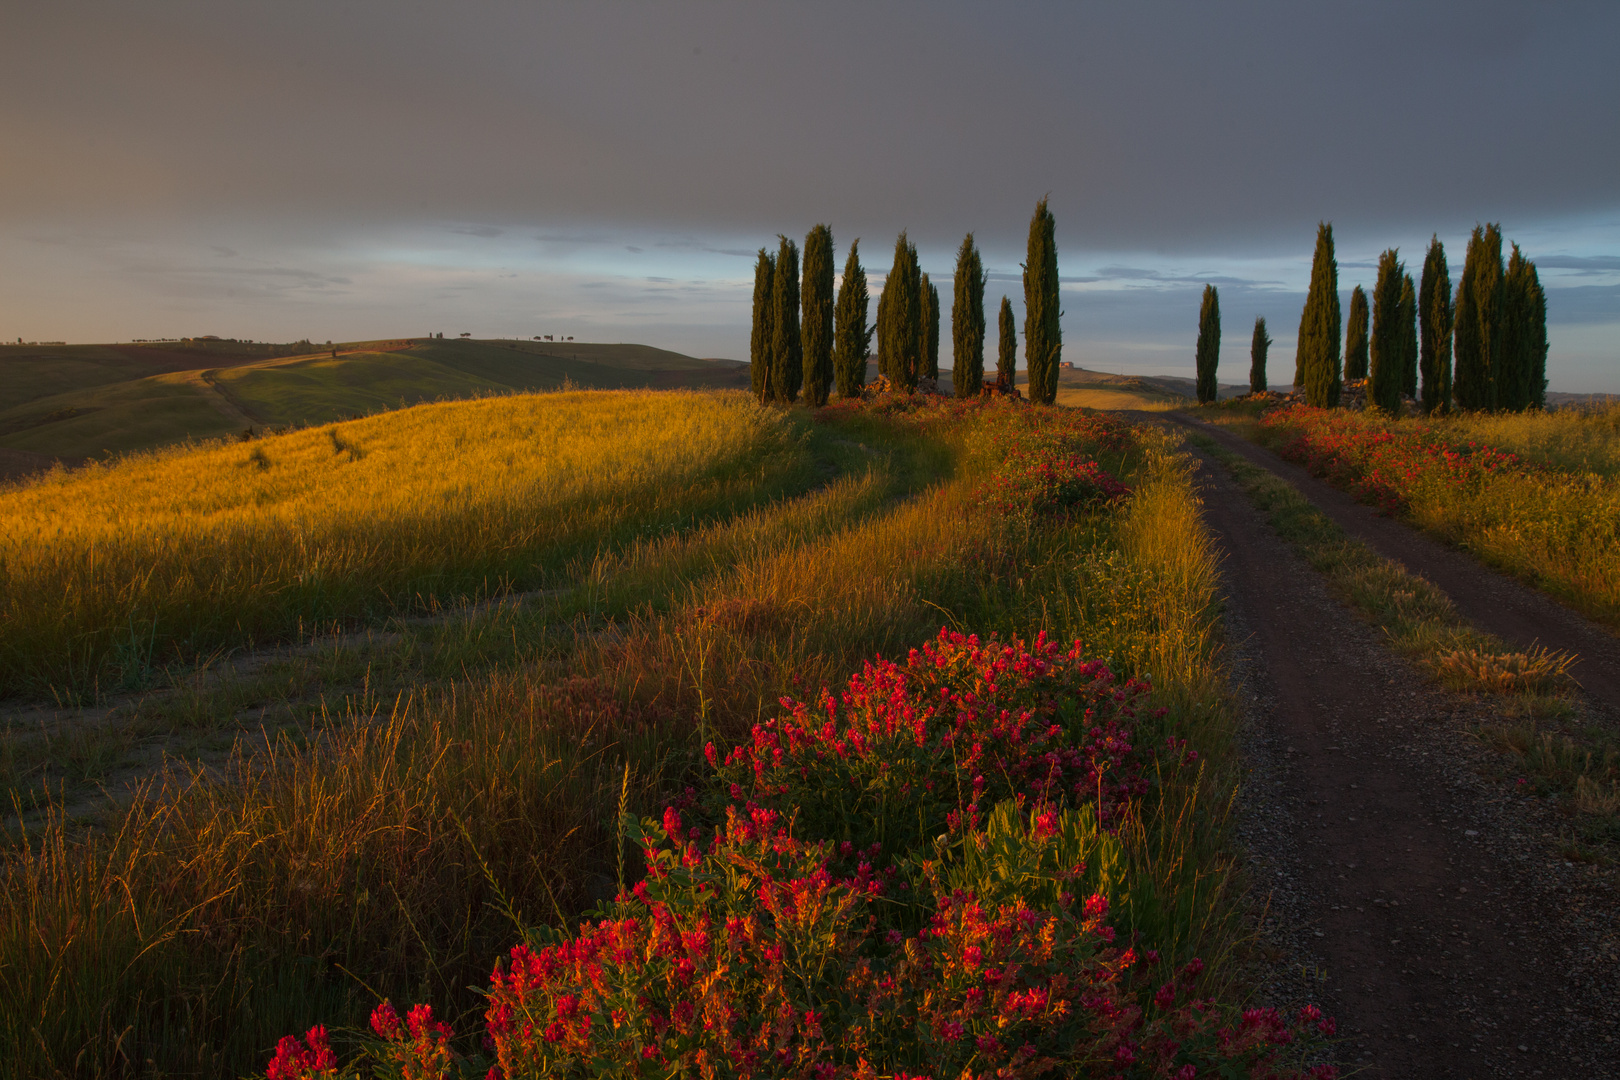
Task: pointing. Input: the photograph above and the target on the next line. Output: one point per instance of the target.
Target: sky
(349, 169)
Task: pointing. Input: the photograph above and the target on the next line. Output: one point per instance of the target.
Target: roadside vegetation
(1555, 527)
(478, 776)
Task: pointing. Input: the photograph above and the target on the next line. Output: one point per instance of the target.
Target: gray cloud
(1586, 265)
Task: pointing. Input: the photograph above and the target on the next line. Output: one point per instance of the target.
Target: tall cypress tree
(1435, 316)
(853, 338)
(1384, 385)
(1537, 333)
(1043, 331)
(900, 317)
(1406, 330)
(1316, 361)
(787, 350)
(930, 330)
(1259, 345)
(1007, 350)
(818, 315)
(1478, 321)
(1209, 345)
(1355, 337)
(761, 341)
(967, 322)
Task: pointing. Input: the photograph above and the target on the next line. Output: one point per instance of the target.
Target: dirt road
(1454, 940)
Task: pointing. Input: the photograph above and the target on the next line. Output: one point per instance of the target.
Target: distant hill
(73, 402)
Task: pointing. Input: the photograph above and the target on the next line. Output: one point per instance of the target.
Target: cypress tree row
(967, 322)
(761, 342)
(930, 330)
(1355, 338)
(1316, 361)
(1209, 345)
(1478, 321)
(900, 336)
(787, 351)
(1007, 352)
(818, 315)
(1043, 332)
(853, 339)
(1384, 385)
(1435, 318)
(1259, 345)
(1406, 328)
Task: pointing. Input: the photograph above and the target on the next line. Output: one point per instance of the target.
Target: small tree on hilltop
(1435, 316)
(1258, 347)
(762, 341)
(787, 370)
(818, 315)
(930, 330)
(1316, 361)
(1406, 330)
(1355, 337)
(967, 322)
(1043, 332)
(1209, 345)
(853, 338)
(1007, 350)
(1384, 386)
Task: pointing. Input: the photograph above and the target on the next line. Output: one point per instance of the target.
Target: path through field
(1455, 940)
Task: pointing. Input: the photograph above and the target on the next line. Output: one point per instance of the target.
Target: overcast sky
(347, 170)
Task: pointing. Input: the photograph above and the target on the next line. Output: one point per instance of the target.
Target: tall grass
(400, 849)
(108, 571)
(1558, 529)
(1582, 439)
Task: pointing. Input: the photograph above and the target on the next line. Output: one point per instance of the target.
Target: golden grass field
(431, 793)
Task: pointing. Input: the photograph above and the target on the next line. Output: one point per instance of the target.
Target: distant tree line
(1483, 350)
(806, 338)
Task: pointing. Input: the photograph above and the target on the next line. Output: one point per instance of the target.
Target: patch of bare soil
(1423, 904)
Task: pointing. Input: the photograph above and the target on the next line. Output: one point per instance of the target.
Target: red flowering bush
(910, 751)
(1380, 465)
(1043, 483)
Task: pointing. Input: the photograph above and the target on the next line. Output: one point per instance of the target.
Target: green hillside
(72, 402)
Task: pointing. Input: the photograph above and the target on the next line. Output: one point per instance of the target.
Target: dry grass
(110, 572)
(400, 843)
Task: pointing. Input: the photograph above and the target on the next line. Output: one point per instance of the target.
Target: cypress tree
(1435, 316)
(967, 322)
(1316, 361)
(853, 340)
(1355, 337)
(818, 315)
(787, 351)
(1258, 347)
(1478, 321)
(1537, 333)
(1384, 385)
(900, 336)
(930, 330)
(1043, 332)
(1406, 331)
(761, 341)
(882, 329)
(1209, 345)
(1007, 353)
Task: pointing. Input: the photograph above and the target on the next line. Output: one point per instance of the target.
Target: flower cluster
(1379, 464)
(892, 883)
(911, 750)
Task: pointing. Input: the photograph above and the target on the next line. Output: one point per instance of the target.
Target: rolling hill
(69, 403)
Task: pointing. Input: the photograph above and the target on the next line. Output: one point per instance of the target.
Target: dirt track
(1454, 939)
